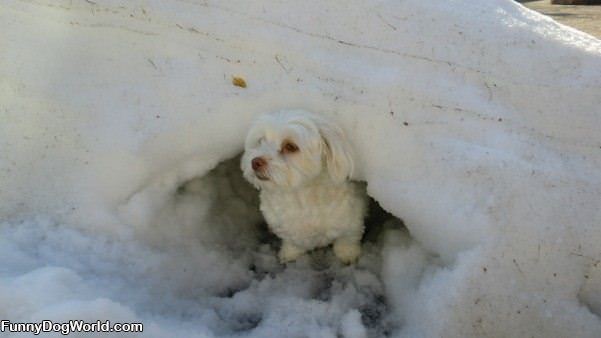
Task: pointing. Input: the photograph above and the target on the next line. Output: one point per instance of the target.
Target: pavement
(584, 18)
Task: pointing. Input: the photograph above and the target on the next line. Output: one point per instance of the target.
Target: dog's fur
(302, 165)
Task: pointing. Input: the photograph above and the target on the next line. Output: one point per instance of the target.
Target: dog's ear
(337, 150)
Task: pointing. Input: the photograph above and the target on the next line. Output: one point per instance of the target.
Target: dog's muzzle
(259, 164)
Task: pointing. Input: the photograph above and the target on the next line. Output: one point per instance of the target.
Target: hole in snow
(219, 212)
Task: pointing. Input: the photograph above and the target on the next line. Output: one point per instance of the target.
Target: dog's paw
(347, 251)
(289, 252)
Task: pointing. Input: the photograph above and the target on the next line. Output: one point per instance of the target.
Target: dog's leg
(347, 249)
(289, 252)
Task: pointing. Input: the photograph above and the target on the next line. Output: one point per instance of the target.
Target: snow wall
(476, 123)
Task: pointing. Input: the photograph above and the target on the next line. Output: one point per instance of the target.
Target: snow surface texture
(477, 123)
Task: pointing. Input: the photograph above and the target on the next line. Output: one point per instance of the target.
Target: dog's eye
(289, 147)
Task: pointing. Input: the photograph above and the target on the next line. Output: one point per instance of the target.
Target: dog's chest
(313, 216)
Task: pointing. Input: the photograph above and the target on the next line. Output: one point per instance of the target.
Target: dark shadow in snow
(315, 281)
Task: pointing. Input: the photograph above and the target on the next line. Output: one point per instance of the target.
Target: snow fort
(475, 127)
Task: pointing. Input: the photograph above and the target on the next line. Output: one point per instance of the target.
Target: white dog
(301, 162)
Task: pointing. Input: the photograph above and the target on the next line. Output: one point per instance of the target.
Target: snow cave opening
(223, 210)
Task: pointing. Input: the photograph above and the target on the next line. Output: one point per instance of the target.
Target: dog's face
(288, 149)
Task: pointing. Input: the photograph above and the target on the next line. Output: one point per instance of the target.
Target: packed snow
(475, 127)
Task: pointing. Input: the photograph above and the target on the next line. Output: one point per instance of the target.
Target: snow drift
(476, 123)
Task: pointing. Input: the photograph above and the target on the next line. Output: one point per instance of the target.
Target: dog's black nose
(258, 163)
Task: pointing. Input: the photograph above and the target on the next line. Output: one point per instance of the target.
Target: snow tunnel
(219, 212)
(476, 123)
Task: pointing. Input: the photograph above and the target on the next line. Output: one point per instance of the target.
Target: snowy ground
(476, 123)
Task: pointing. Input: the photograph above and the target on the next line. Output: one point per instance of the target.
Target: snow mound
(476, 123)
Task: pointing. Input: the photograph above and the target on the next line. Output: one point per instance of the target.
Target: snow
(476, 123)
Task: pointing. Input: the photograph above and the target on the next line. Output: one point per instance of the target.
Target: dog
(301, 162)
